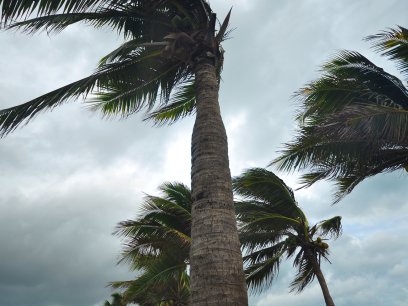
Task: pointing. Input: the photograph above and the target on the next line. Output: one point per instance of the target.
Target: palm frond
(376, 124)
(394, 45)
(159, 276)
(305, 274)
(128, 20)
(260, 275)
(181, 104)
(255, 240)
(263, 185)
(222, 33)
(347, 79)
(21, 8)
(163, 225)
(331, 227)
(134, 70)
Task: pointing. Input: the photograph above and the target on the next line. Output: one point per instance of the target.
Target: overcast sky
(69, 177)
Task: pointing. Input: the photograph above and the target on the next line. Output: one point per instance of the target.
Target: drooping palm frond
(129, 21)
(198, 11)
(263, 266)
(17, 9)
(375, 124)
(181, 104)
(305, 273)
(122, 87)
(394, 45)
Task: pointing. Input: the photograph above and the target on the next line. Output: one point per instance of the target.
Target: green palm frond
(134, 70)
(21, 8)
(394, 45)
(126, 98)
(350, 78)
(197, 11)
(305, 274)
(163, 225)
(265, 253)
(261, 184)
(181, 104)
(163, 277)
(122, 88)
(376, 124)
(270, 221)
(260, 275)
(331, 227)
(129, 21)
(252, 240)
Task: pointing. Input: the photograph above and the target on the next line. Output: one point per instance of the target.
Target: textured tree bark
(322, 281)
(217, 276)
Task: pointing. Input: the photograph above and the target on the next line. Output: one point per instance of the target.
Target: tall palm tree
(157, 243)
(353, 121)
(171, 59)
(273, 227)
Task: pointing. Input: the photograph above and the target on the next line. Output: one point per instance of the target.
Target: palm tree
(157, 243)
(273, 227)
(171, 59)
(353, 121)
(117, 300)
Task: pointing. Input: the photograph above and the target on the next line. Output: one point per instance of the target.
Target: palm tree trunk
(322, 281)
(217, 276)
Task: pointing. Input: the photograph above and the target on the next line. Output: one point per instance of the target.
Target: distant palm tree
(353, 122)
(274, 228)
(117, 300)
(157, 244)
(171, 65)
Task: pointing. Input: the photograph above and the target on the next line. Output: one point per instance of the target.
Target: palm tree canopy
(157, 243)
(272, 227)
(353, 121)
(153, 67)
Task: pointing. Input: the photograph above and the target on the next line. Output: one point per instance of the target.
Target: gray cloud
(69, 177)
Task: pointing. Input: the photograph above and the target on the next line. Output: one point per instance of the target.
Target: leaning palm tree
(274, 228)
(353, 121)
(170, 64)
(157, 244)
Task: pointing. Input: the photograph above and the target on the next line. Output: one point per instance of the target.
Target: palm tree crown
(354, 119)
(157, 243)
(155, 65)
(273, 227)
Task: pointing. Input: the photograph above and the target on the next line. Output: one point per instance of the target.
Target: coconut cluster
(319, 243)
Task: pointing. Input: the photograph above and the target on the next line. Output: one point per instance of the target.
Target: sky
(69, 177)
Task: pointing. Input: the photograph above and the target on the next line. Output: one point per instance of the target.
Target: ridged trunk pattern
(217, 276)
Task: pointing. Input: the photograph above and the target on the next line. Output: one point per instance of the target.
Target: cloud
(69, 177)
